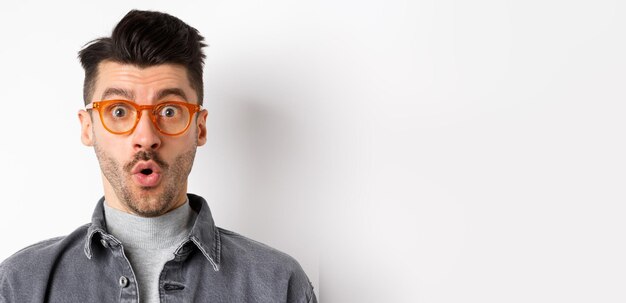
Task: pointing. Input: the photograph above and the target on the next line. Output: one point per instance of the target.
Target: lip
(146, 165)
(150, 180)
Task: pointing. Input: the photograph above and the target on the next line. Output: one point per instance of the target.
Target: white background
(402, 151)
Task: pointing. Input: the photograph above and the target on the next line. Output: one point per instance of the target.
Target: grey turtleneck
(150, 242)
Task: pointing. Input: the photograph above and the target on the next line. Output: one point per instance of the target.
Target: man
(149, 241)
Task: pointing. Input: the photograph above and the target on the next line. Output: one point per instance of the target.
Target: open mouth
(146, 174)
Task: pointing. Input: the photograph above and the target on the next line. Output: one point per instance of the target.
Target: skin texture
(117, 154)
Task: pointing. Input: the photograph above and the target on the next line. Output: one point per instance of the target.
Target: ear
(86, 127)
(202, 127)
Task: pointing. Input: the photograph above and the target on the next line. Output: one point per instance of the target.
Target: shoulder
(244, 249)
(25, 274)
(261, 260)
(39, 257)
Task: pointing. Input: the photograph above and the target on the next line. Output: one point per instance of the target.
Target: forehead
(144, 84)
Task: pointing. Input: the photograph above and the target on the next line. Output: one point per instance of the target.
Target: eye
(119, 111)
(169, 111)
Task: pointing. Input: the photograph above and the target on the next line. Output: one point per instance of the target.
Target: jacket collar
(204, 234)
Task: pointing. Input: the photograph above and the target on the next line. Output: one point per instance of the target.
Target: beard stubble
(147, 202)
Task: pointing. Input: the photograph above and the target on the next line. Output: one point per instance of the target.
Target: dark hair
(146, 38)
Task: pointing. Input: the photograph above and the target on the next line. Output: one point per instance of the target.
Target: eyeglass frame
(193, 109)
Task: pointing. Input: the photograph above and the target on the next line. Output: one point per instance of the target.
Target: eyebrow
(129, 95)
(114, 91)
(171, 92)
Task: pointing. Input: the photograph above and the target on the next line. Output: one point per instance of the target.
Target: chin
(150, 210)
(150, 204)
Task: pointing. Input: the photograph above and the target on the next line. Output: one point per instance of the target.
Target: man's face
(144, 172)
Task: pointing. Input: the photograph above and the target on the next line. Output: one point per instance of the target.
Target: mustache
(145, 156)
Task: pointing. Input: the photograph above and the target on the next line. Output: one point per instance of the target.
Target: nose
(145, 135)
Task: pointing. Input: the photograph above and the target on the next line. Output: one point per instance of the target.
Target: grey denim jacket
(212, 265)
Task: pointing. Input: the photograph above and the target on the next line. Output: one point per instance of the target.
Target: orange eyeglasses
(121, 116)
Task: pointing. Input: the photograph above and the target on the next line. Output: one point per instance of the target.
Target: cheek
(176, 147)
(100, 135)
(112, 146)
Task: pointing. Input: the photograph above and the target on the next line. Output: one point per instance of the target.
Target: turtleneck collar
(152, 233)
